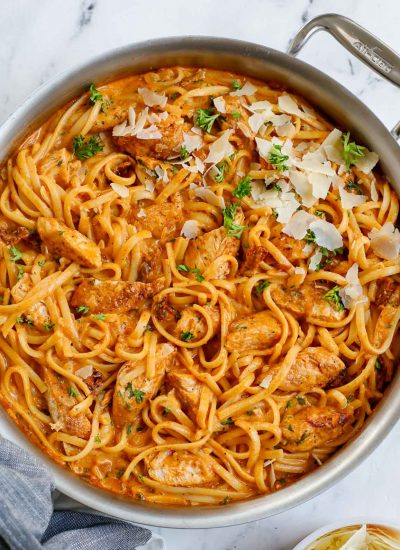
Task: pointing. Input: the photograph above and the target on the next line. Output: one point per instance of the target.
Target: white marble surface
(42, 38)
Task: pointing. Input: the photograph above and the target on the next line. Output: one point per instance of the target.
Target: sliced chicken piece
(313, 368)
(255, 332)
(293, 250)
(133, 390)
(12, 235)
(192, 321)
(60, 400)
(180, 468)
(171, 129)
(37, 313)
(151, 266)
(113, 296)
(187, 389)
(313, 426)
(388, 301)
(207, 248)
(307, 301)
(63, 166)
(121, 324)
(164, 220)
(253, 257)
(70, 243)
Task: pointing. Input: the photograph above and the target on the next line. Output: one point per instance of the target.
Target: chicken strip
(180, 468)
(205, 249)
(388, 301)
(307, 302)
(113, 296)
(171, 129)
(12, 235)
(133, 390)
(255, 332)
(70, 243)
(60, 400)
(313, 368)
(192, 321)
(313, 426)
(187, 389)
(37, 313)
(164, 220)
(254, 255)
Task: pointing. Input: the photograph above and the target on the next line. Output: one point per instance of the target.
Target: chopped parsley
(82, 309)
(195, 270)
(243, 188)
(236, 85)
(351, 151)
(15, 254)
(186, 336)
(95, 95)
(320, 213)
(41, 263)
(276, 187)
(236, 115)
(183, 153)
(84, 149)
(20, 273)
(205, 119)
(300, 400)
(277, 158)
(219, 171)
(234, 229)
(333, 296)
(226, 500)
(129, 428)
(72, 392)
(166, 411)
(138, 395)
(21, 320)
(290, 428)
(97, 438)
(227, 422)
(310, 236)
(261, 286)
(350, 398)
(378, 365)
(353, 186)
(100, 316)
(49, 326)
(303, 437)
(60, 232)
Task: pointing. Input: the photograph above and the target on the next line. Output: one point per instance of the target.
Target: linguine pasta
(200, 287)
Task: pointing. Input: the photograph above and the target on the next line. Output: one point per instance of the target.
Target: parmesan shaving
(385, 242)
(209, 196)
(367, 162)
(266, 382)
(220, 104)
(190, 229)
(121, 190)
(352, 293)
(350, 200)
(192, 142)
(84, 372)
(246, 89)
(152, 99)
(220, 148)
(315, 260)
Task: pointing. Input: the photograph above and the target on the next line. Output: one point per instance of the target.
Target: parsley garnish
(15, 254)
(378, 365)
(20, 273)
(236, 115)
(261, 286)
(72, 392)
(129, 428)
(300, 400)
(243, 188)
(86, 149)
(49, 326)
(351, 151)
(236, 85)
(183, 153)
(333, 296)
(303, 437)
(220, 170)
(95, 95)
(276, 187)
(353, 186)
(320, 213)
(25, 320)
(277, 158)
(227, 422)
(82, 309)
(166, 411)
(138, 395)
(310, 236)
(225, 500)
(97, 438)
(195, 270)
(234, 229)
(290, 428)
(99, 316)
(186, 336)
(205, 119)
(41, 263)
(60, 232)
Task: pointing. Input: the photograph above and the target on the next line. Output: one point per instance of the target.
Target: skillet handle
(359, 42)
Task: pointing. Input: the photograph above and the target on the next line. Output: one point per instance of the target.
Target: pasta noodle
(200, 287)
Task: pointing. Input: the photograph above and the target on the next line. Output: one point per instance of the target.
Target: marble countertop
(40, 39)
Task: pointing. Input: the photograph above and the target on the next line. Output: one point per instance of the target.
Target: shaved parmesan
(352, 293)
(157, 117)
(256, 120)
(149, 186)
(373, 191)
(287, 105)
(220, 105)
(162, 174)
(166, 349)
(152, 99)
(84, 372)
(298, 224)
(326, 234)
(141, 213)
(190, 229)
(264, 146)
(350, 200)
(299, 271)
(137, 127)
(152, 132)
(303, 187)
(220, 148)
(209, 196)
(192, 142)
(358, 541)
(247, 89)
(196, 130)
(121, 190)
(367, 162)
(266, 382)
(320, 184)
(199, 164)
(385, 242)
(315, 260)
(287, 130)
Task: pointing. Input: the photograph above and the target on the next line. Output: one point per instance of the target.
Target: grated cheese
(385, 242)
(190, 229)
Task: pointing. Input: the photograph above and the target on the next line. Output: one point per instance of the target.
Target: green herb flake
(72, 392)
(234, 229)
(227, 422)
(261, 286)
(204, 118)
(49, 326)
(236, 85)
(243, 188)
(97, 439)
(303, 437)
(20, 271)
(378, 365)
(100, 316)
(183, 153)
(186, 336)
(310, 237)
(60, 232)
(15, 254)
(41, 263)
(236, 115)
(277, 158)
(351, 151)
(166, 411)
(225, 500)
(95, 95)
(138, 395)
(84, 149)
(300, 400)
(82, 309)
(290, 428)
(320, 213)
(351, 185)
(220, 170)
(183, 267)
(334, 297)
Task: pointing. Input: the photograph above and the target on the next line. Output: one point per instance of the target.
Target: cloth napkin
(28, 522)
